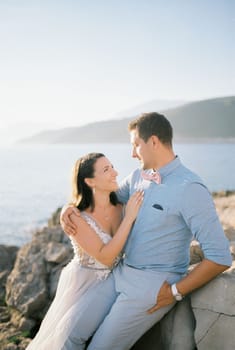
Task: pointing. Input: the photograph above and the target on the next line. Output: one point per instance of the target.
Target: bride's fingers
(140, 196)
(69, 228)
(137, 199)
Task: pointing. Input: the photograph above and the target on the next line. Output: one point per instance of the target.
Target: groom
(152, 277)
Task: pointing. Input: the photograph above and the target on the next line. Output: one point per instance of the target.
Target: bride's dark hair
(82, 196)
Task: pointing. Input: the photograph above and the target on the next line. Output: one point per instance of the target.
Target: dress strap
(104, 236)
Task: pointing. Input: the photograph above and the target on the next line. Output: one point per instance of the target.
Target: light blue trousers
(117, 308)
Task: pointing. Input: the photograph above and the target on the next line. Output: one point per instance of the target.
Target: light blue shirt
(172, 214)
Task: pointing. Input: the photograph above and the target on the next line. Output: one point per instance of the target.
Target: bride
(100, 236)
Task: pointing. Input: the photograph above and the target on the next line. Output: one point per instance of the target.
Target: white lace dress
(81, 273)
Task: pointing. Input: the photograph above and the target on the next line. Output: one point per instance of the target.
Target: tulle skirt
(74, 281)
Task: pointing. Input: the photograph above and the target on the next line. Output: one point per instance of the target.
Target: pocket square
(157, 206)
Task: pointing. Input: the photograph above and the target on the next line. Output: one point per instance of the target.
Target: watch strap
(177, 295)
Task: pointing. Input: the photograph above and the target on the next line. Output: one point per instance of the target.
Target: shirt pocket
(157, 213)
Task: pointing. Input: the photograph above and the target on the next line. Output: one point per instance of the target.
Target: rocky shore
(29, 275)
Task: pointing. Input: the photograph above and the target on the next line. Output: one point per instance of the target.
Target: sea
(35, 180)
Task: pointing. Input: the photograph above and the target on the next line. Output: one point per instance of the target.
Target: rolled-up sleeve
(199, 213)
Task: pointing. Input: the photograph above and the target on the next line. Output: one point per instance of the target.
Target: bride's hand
(67, 224)
(133, 205)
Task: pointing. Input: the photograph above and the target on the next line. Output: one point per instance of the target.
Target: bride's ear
(89, 181)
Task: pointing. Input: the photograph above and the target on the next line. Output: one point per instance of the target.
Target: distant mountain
(212, 119)
(16, 131)
(104, 131)
(154, 105)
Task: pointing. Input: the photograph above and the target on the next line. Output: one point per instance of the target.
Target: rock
(196, 254)
(11, 347)
(55, 219)
(205, 319)
(7, 256)
(223, 194)
(230, 232)
(20, 322)
(225, 207)
(232, 249)
(4, 314)
(220, 334)
(214, 309)
(7, 260)
(29, 285)
(176, 337)
(169, 334)
(56, 252)
(218, 295)
(12, 339)
(151, 340)
(26, 288)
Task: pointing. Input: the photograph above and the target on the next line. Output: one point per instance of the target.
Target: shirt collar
(169, 167)
(166, 169)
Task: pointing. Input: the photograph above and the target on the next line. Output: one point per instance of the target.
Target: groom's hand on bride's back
(66, 223)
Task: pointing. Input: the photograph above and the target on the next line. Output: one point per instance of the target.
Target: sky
(72, 62)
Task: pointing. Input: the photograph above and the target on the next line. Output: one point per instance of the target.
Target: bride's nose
(115, 173)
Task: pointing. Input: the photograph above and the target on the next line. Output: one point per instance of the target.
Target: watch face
(178, 297)
(175, 293)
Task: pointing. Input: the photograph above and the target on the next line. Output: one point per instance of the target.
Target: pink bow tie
(155, 176)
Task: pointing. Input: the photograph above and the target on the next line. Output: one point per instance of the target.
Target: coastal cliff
(186, 119)
(29, 275)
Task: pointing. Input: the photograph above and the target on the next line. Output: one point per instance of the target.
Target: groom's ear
(155, 140)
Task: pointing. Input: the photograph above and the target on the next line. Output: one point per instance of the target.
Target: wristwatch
(175, 293)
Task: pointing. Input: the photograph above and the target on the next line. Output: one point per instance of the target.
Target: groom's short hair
(153, 123)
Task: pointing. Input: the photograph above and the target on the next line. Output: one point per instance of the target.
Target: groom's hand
(67, 224)
(164, 298)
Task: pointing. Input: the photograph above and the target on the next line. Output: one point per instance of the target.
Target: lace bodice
(85, 259)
